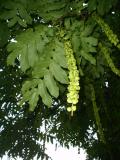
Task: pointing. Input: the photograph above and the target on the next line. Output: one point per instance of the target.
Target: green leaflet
(42, 90)
(59, 54)
(59, 74)
(32, 54)
(41, 68)
(12, 56)
(28, 84)
(104, 6)
(51, 85)
(88, 57)
(39, 72)
(30, 93)
(87, 31)
(33, 99)
(76, 42)
(27, 95)
(31, 90)
(24, 62)
(43, 62)
(90, 41)
(92, 5)
(15, 13)
(60, 59)
(67, 23)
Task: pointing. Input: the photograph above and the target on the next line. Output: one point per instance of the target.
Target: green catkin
(73, 87)
(107, 30)
(109, 60)
(97, 116)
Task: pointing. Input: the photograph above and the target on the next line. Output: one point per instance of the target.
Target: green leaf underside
(59, 74)
(31, 91)
(42, 90)
(33, 100)
(51, 84)
(88, 57)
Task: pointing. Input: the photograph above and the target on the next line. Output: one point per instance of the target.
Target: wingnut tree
(62, 49)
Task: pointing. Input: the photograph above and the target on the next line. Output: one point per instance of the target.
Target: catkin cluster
(109, 33)
(73, 87)
(109, 60)
(96, 114)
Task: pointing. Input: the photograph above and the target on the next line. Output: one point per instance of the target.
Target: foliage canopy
(42, 70)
